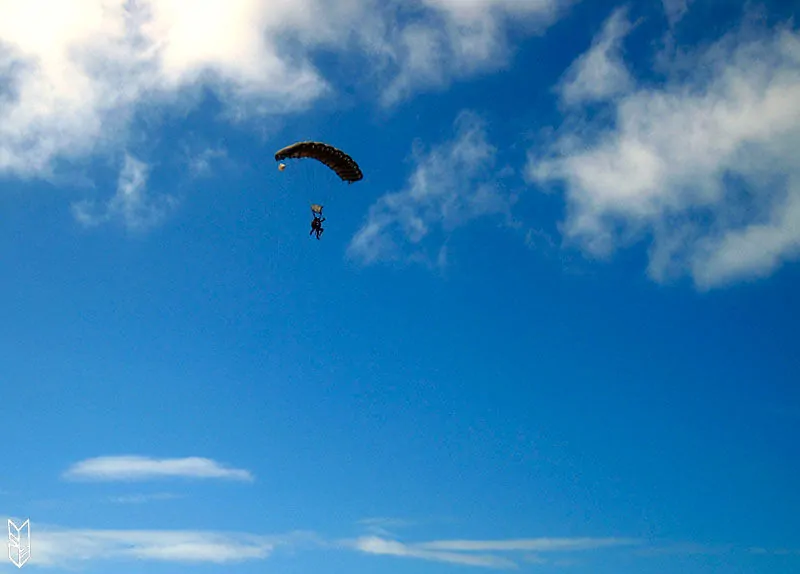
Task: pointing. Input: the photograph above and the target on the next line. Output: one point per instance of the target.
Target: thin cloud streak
(376, 545)
(463, 551)
(133, 468)
(64, 547)
(143, 498)
(530, 544)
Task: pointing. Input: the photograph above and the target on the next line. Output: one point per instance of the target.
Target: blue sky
(550, 331)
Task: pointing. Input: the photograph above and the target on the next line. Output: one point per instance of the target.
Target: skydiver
(316, 226)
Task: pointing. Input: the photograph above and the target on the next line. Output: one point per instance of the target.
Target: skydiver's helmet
(316, 210)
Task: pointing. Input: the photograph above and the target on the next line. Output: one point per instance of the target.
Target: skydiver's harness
(316, 223)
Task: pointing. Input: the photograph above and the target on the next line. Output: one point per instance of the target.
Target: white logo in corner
(19, 542)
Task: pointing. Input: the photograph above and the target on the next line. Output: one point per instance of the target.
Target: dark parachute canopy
(344, 165)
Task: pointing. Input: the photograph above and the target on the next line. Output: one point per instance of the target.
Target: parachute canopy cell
(344, 165)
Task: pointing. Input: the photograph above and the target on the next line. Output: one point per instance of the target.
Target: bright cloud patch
(77, 68)
(75, 71)
(707, 164)
(66, 547)
(452, 184)
(111, 468)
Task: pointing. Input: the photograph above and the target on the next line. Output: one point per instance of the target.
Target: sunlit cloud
(77, 72)
(131, 468)
(460, 38)
(705, 165)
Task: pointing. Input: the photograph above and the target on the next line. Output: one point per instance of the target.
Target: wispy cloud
(775, 552)
(530, 544)
(455, 39)
(463, 551)
(376, 545)
(200, 164)
(451, 184)
(675, 10)
(67, 548)
(601, 72)
(143, 498)
(705, 165)
(131, 468)
(131, 205)
(384, 526)
(686, 549)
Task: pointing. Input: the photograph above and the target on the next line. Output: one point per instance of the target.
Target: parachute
(342, 164)
(337, 162)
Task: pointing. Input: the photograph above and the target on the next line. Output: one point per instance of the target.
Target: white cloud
(66, 548)
(78, 68)
(530, 544)
(601, 72)
(462, 551)
(382, 526)
(460, 38)
(112, 468)
(706, 165)
(376, 545)
(75, 72)
(452, 184)
(131, 204)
